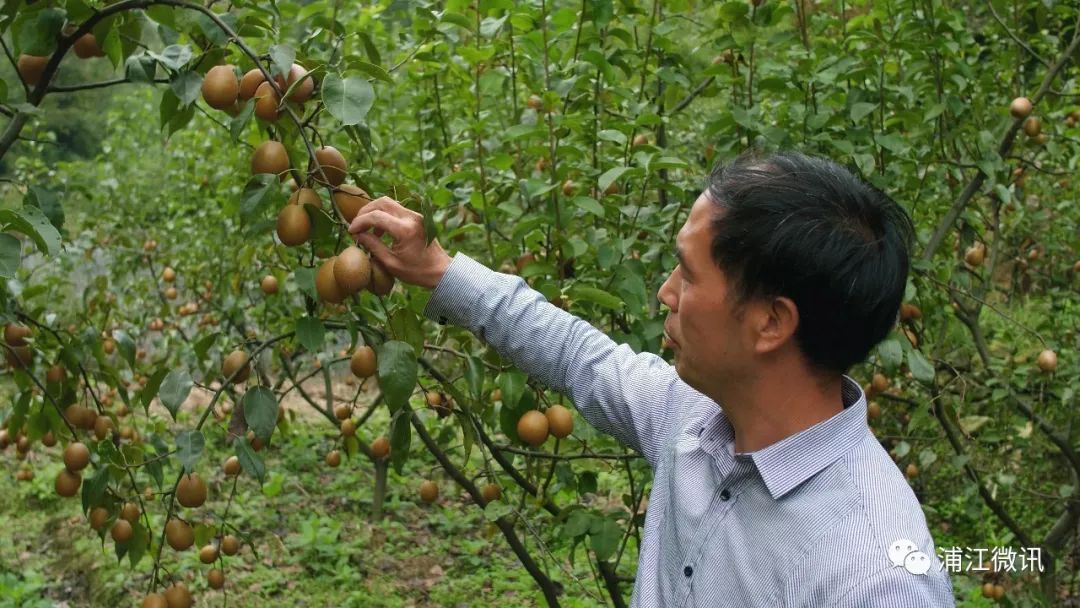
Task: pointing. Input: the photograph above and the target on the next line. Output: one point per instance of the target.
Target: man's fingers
(381, 221)
(387, 205)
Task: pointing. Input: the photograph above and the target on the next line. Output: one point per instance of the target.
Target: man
(769, 488)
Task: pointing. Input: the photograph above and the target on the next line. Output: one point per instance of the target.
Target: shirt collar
(786, 464)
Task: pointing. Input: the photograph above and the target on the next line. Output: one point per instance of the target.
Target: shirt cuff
(459, 290)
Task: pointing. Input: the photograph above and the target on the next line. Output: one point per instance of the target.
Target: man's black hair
(806, 228)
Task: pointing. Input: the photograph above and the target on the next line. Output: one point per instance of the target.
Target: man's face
(702, 328)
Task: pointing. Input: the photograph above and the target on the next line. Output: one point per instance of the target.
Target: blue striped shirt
(821, 518)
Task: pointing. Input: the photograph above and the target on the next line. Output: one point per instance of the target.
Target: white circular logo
(917, 562)
(899, 550)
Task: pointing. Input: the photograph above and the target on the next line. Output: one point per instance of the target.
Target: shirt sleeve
(631, 396)
(895, 587)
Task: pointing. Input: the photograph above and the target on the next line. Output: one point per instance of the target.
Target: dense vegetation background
(561, 140)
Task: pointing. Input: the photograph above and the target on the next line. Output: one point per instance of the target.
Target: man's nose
(666, 295)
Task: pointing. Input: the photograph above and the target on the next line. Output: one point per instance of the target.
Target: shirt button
(688, 571)
(725, 495)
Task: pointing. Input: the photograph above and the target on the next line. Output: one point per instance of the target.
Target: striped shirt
(822, 518)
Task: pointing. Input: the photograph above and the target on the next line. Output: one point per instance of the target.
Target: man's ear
(778, 319)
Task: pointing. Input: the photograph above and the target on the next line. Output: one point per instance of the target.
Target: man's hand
(409, 258)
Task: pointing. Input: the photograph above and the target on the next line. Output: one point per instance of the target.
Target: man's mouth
(669, 342)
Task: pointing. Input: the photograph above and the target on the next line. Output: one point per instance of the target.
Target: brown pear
(306, 196)
(31, 67)
(220, 87)
(16, 335)
(350, 200)
(250, 83)
(293, 225)
(380, 448)
(352, 270)
(333, 165)
(86, 46)
(303, 91)
(191, 491)
(363, 363)
(532, 428)
(179, 535)
(1020, 107)
(326, 285)
(236, 362)
(382, 282)
(270, 157)
(267, 102)
(560, 421)
(269, 285)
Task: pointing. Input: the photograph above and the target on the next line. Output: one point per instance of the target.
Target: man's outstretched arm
(634, 397)
(627, 395)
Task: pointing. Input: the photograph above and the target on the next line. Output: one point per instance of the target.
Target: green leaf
(147, 394)
(260, 411)
(10, 255)
(512, 386)
(891, 353)
(605, 535)
(37, 34)
(137, 546)
(174, 56)
(861, 110)
(397, 372)
(203, 345)
(282, 57)
(612, 135)
(305, 280)
(257, 193)
(400, 438)
(578, 523)
(609, 177)
(491, 25)
(474, 376)
(93, 489)
(349, 99)
(140, 68)
(187, 86)
(189, 448)
(970, 424)
(405, 325)
(596, 296)
(374, 70)
(241, 120)
(311, 333)
(48, 202)
(126, 346)
(175, 389)
(249, 460)
(496, 509)
(920, 368)
(33, 223)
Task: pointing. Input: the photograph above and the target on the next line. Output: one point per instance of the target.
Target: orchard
(213, 395)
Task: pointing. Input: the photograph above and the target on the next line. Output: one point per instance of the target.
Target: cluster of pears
(224, 89)
(31, 67)
(534, 426)
(363, 364)
(191, 492)
(348, 272)
(1021, 109)
(18, 353)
